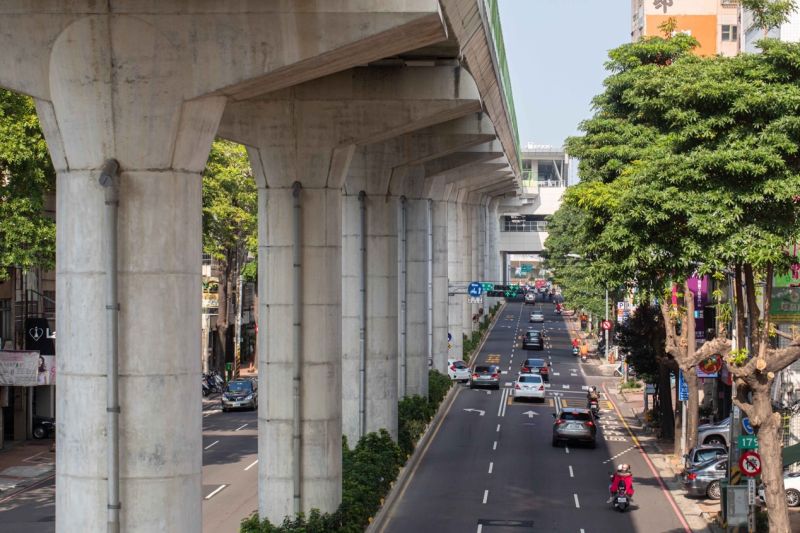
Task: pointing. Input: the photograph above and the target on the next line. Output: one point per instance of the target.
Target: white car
(529, 386)
(458, 370)
(791, 483)
(537, 316)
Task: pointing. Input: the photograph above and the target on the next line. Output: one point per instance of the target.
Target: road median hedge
(368, 470)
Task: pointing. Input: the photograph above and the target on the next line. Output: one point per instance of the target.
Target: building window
(49, 301)
(730, 32)
(5, 321)
(524, 223)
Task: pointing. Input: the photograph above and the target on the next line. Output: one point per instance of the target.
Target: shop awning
(791, 454)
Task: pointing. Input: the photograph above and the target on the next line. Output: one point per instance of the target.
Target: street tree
(27, 232)
(769, 14)
(715, 192)
(642, 338)
(230, 209)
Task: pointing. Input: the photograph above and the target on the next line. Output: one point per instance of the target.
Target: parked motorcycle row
(212, 383)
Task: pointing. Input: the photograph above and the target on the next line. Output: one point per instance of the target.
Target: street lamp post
(606, 329)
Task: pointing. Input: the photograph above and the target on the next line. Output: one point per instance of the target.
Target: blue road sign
(449, 336)
(748, 427)
(475, 289)
(683, 391)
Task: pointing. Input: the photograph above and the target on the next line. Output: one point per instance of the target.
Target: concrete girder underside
(145, 83)
(316, 134)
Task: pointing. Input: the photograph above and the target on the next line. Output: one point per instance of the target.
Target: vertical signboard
(699, 287)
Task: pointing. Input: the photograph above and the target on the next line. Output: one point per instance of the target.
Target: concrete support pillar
(382, 330)
(319, 340)
(455, 312)
(440, 298)
(352, 279)
(89, 116)
(465, 241)
(416, 297)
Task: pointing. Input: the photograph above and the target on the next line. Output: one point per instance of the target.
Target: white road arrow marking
(531, 414)
(475, 411)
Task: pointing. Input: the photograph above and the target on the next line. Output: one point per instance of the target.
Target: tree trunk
(222, 315)
(665, 402)
(692, 414)
(771, 462)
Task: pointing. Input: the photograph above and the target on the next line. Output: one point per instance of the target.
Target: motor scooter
(621, 499)
(43, 427)
(575, 351)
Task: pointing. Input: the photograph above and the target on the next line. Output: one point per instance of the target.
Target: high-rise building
(714, 23)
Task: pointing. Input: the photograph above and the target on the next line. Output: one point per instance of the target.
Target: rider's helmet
(621, 468)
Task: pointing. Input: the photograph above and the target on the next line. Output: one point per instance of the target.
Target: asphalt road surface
(492, 468)
(230, 480)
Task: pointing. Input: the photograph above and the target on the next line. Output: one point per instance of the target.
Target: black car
(532, 340)
(240, 394)
(536, 366)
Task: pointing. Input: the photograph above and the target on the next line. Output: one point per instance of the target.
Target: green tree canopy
(27, 234)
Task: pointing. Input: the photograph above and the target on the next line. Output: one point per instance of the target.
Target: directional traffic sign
(683, 388)
(750, 464)
(475, 289)
(748, 427)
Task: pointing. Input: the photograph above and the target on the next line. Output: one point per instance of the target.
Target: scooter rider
(622, 475)
(591, 394)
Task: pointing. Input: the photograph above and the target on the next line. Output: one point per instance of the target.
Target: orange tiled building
(714, 23)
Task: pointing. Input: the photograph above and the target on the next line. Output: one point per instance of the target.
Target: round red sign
(750, 464)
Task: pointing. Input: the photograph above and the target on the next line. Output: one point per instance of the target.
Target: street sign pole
(607, 329)
(683, 396)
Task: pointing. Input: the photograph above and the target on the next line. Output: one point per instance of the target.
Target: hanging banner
(19, 368)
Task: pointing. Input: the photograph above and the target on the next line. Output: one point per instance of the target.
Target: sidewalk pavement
(24, 464)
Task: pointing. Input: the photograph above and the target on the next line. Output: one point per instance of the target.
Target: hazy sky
(556, 50)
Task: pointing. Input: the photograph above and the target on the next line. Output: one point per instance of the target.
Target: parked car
(458, 370)
(704, 479)
(532, 340)
(536, 366)
(791, 483)
(529, 386)
(716, 434)
(536, 316)
(485, 376)
(240, 394)
(702, 453)
(574, 424)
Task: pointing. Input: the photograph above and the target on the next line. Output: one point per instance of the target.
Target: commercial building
(714, 23)
(523, 220)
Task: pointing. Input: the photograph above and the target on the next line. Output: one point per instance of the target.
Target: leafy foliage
(230, 203)
(642, 337)
(27, 233)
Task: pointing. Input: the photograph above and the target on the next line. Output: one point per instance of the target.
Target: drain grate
(487, 522)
